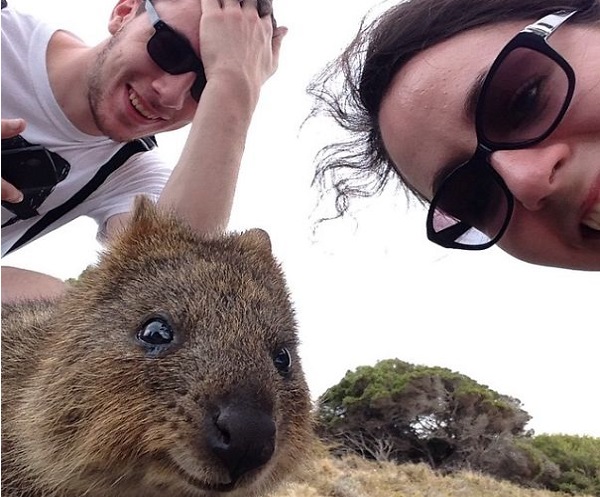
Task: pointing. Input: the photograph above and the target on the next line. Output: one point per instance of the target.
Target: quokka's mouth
(203, 484)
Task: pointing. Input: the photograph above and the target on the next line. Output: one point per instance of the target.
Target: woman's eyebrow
(443, 172)
(472, 97)
(469, 109)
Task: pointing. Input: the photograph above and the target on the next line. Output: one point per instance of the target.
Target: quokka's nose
(244, 438)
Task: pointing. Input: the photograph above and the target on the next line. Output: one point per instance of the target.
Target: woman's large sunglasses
(523, 98)
(173, 53)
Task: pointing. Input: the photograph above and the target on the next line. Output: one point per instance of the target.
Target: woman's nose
(531, 174)
(174, 89)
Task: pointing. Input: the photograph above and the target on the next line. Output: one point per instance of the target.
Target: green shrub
(414, 413)
(578, 459)
(407, 413)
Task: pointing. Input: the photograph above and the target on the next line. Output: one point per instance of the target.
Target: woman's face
(555, 183)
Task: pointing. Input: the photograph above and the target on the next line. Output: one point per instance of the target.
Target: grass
(355, 477)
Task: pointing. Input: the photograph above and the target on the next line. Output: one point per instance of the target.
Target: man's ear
(124, 11)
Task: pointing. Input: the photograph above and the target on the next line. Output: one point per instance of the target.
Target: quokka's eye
(156, 331)
(283, 361)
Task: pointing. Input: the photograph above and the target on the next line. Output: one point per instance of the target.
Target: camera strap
(116, 161)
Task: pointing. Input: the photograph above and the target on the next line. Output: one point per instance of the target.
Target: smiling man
(167, 63)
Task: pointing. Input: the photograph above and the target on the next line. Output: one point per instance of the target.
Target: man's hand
(239, 51)
(10, 128)
(237, 45)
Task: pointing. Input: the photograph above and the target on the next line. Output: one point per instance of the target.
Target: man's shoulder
(22, 32)
(14, 20)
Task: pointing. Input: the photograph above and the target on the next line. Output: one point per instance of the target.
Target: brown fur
(88, 409)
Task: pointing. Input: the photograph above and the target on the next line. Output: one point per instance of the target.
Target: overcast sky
(372, 287)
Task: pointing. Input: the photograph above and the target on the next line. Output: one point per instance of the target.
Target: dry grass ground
(356, 477)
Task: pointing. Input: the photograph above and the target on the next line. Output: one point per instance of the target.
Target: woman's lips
(591, 215)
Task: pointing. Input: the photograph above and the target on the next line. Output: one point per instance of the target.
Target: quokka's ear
(148, 227)
(257, 239)
(143, 234)
(145, 217)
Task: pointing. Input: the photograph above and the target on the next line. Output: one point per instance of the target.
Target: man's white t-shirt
(26, 93)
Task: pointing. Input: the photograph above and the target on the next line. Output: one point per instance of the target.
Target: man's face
(130, 96)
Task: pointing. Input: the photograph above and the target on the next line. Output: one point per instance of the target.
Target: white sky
(374, 288)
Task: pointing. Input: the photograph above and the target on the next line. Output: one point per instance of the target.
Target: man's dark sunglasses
(173, 53)
(522, 100)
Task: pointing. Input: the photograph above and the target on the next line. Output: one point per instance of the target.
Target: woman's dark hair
(350, 88)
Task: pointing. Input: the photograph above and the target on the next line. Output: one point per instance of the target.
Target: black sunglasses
(173, 53)
(522, 100)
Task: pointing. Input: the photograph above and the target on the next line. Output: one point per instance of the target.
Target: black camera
(34, 170)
